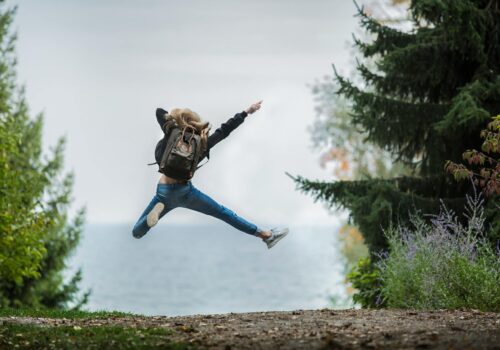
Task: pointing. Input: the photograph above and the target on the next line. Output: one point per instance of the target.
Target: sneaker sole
(154, 214)
(269, 246)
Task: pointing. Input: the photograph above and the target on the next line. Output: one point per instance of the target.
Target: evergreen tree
(35, 235)
(433, 89)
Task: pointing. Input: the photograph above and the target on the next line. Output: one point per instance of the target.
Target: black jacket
(218, 135)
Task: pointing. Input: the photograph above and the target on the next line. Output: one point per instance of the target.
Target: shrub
(442, 264)
(365, 277)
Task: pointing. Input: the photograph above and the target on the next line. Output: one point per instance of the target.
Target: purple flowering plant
(441, 263)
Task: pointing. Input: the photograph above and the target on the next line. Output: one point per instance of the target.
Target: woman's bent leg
(200, 202)
(141, 227)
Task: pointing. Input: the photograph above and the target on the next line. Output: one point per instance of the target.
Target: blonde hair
(184, 117)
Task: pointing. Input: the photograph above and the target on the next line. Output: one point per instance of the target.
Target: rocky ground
(315, 329)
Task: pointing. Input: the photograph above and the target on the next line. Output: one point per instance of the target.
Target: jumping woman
(172, 193)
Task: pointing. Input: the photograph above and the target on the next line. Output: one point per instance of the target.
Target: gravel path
(317, 329)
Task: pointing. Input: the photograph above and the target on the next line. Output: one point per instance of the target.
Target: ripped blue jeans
(185, 195)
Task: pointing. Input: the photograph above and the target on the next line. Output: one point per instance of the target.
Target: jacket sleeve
(163, 121)
(161, 116)
(223, 131)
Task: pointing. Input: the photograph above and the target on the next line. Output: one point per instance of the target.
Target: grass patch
(54, 313)
(74, 337)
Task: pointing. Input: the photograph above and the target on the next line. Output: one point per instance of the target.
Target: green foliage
(35, 236)
(442, 265)
(372, 202)
(425, 96)
(60, 313)
(488, 175)
(484, 170)
(92, 337)
(20, 251)
(365, 277)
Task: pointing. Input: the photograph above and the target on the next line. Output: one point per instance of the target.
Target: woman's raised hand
(253, 107)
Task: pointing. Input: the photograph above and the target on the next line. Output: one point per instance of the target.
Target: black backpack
(178, 152)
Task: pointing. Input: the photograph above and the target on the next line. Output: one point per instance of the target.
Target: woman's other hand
(253, 107)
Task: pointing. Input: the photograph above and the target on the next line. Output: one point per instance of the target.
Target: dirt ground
(317, 329)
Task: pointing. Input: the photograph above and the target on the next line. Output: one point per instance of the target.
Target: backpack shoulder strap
(199, 166)
(172, 137)
(168, 124)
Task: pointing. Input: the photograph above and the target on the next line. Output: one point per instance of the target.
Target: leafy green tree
(431, 92)
(36, 236)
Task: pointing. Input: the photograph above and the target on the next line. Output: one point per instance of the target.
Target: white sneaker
(154, 214)
(276, 235)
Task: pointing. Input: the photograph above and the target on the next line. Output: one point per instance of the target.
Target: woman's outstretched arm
(226, 128)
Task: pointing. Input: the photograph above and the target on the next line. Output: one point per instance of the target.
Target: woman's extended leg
(142, 226)
(197, 200)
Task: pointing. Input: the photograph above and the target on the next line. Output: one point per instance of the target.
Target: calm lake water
(185, 270)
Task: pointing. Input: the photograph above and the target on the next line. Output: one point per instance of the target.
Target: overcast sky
(99, 69)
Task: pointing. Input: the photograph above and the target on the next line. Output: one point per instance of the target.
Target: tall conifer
(432, 91)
